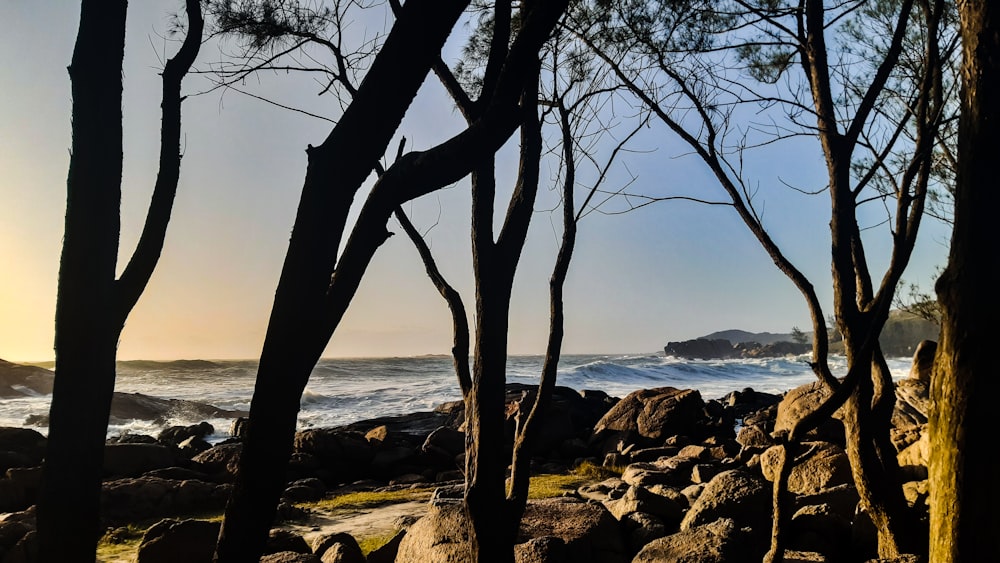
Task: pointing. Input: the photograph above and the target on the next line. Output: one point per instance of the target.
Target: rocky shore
(692, 481)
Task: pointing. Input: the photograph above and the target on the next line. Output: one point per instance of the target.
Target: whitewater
(341, 391)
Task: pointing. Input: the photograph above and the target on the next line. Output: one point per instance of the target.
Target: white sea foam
(341, 391)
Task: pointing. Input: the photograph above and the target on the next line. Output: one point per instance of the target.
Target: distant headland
(900, 337)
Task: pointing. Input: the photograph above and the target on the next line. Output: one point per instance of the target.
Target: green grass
(597, 472)
(371, 543)
(367, 499)
(120, 544)
(553, 485)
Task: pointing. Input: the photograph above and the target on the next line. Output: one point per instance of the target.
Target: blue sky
(669, 271)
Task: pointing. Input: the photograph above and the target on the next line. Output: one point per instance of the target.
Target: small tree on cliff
(91, 305)
(964, 490)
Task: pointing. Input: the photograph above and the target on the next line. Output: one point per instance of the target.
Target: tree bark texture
(964, 489)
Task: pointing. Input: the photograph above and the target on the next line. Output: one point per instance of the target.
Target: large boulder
(638, 499)
(132, 460)
(26, 444)
(221, 461)
(923, 361)
(799, 402)
(442, 536)
(589, 533)
(344, 454)
(654, 414)
(129, 500)
(819, 466)
(170, 541)
(735, 494)
(720, 541)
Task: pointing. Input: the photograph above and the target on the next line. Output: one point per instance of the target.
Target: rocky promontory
(749, 345)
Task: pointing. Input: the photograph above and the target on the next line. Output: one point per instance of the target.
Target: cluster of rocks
(723, 349)
(694, 480)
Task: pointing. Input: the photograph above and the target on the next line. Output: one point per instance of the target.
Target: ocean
(341, 391)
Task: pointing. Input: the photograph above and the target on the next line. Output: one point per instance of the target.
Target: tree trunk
(91, 306)
(86, 336)
(298, 330)
(964, 490)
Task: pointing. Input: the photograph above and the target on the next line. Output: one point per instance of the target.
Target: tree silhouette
(91, 305)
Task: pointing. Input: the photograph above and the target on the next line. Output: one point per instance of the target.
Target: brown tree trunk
(964, 490)
(298, 329)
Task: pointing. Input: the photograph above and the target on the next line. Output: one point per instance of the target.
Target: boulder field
(693, 481)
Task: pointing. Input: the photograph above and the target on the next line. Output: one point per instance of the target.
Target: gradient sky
(669, 271)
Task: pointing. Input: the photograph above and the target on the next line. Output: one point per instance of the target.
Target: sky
(665, 272)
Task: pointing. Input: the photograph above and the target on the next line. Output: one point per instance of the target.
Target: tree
(798, 336)
(700, 66)
(964, 493)
(318, 279)
(91, 305)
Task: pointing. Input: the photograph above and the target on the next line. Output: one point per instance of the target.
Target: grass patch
(120, 544)
(368, 499)
(372, 543)
(551, 485)
(596, 472)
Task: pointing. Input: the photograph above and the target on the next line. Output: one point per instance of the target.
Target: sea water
(341, 391)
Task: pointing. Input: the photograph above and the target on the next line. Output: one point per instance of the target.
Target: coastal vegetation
(876, 85)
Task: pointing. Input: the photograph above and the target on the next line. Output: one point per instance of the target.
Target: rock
(821, 465)
(171, 541)
(220, 461)
(323, 542)
(702, 349)
(344, 454)
(642, 528)
(737, 495)
(637, 499)
(914, 458)
(654, 414)
(445, 444)
(279, 540)
(909, 415)
(25, 550)
(133, 406)
(130, 500)
(10, 534)
(754, 438)
(540, 550)
(174, 435)
(28, 444)
(801, 401)
(719, 541)
(132, 460)
(818, 528)
(669, 471)
(591, 535)
(442, 536)
(588, 530)
(923, 361)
